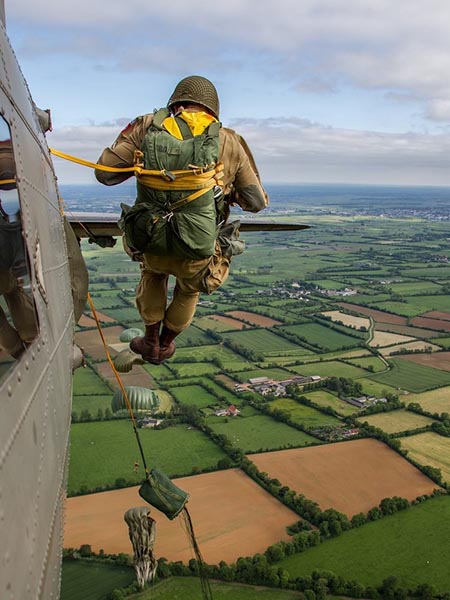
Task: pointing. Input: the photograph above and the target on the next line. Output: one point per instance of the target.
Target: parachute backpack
(176, 213)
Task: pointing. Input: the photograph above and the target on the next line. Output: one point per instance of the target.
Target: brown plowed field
(91, 343)
(232, 517)
(103, 318)
(233, 323)
(377, 315)
(138, 376)
(437, 314)
(351, 477)
(438, 360)
(254, 319)
(406, 330)
(86, 321)
(431, 323)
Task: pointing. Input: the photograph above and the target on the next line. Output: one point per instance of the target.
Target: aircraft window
(18, 320)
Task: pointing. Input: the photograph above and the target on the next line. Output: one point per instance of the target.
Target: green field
(91, 403)
(188, 588)
(262, 341)
(192, 336)
(92, 580)
(194, 395)
(86, 382)
(413, 377)
(102, 452)
(304, 415)
(322, 336)
(324, 398)
(332, 368)
(412, 288)
(412, 545)
(375, 364)
(431, 449)
(194, 369)
(259, 433)
(415, 305)
(375, 388)
(209, 352)
(124, 315)
(396, 421)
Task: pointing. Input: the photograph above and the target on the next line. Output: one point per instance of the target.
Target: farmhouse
(265, 386)
(231, 411)
(364, 401)
(149, 422)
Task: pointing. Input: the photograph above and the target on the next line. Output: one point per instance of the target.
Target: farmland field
(435, 401)
(429, 448)
(410, 347)
(254, 319)
(92, 580)
(260, 340)
(273, 373)
(304, 415)
(193, 369)
(349, 320)
(193, 395)
(444, 342)
(396, 421)
(384, 338)
(324, 398)
(439, 360)
(412, 377)
(233, 517)
(412, 545)
(322, 336)
(416, 332)
(332, 368)
(90, 340)
(102, 452)
(187, 588)
(232, 323)
(259, 433)
(91, 403)
(350, 476)
(369, 362)
(377, 315)
(86, 382)
(438, 325)
(435, 314)
(374, 388)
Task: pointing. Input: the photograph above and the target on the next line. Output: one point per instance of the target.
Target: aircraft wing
(105, 224)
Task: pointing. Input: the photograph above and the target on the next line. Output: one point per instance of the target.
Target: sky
(323, 91)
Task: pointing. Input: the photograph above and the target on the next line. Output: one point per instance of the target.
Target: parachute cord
(204, 581)
(122, 387)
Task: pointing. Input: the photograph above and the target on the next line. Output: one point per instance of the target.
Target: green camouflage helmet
(196, 89)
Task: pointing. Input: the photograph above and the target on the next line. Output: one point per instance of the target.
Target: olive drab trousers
(192, 277)
(21, 309)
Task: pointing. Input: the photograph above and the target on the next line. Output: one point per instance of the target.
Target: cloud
(316, 46)
(296, 150)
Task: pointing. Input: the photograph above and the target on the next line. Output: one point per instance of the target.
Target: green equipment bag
(159, 491)
(151, 226)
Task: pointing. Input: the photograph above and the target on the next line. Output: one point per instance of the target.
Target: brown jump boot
(166, 344)
(148, 346)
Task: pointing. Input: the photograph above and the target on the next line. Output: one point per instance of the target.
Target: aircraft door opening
(18, 319)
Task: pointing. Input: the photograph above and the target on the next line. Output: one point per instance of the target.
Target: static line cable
(122, 388)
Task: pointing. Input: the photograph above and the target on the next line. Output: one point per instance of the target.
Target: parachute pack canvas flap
(159, 491)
